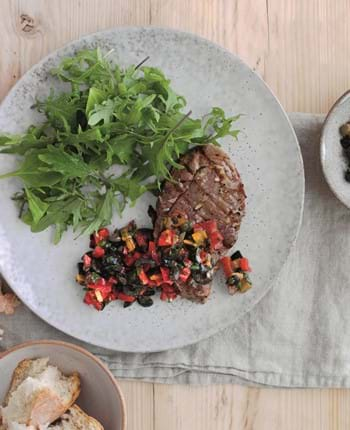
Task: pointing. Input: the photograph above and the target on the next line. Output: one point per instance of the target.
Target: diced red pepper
(209, 226)
(103, 233)
(203, 255)
(113, 296)
(168, 293)
(86, 261)
(140, 238)
(184, 274)
(101, 282)
(226, 263)
(152, 250)
(156, 279)
(166, 275)
(216, 240)
(167, 238)
(99, 236)
(126, 298)
(130, 259)
(163, 296)
(98, 252)
(244, 265)
(143, 277)
(90, 299)
(104, 290)
(112, 280)
(187, 262)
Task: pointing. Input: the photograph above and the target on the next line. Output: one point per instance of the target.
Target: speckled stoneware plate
(333, 161)
(267, 156)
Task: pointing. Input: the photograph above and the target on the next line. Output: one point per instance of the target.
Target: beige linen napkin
(297, 336)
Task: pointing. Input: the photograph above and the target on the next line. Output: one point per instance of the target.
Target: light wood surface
(301, 48)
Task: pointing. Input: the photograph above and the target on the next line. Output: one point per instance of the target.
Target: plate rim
(301, 192)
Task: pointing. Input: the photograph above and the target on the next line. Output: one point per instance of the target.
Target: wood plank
(229, 407)
(139, 404)
(226, 22)
(307, 63)
(30, 29)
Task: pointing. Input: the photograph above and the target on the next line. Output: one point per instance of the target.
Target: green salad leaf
(112, 137)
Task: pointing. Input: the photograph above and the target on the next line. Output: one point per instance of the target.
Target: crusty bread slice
(76, 419)
(24, 369)
(39, 393)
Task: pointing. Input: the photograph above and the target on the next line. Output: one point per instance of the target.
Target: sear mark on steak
(208, 187)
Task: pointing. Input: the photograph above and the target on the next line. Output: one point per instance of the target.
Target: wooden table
(302, 50)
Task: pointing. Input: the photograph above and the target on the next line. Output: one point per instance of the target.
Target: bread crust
(85, 421)
(46, 406)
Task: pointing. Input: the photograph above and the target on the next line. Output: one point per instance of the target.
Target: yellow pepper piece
(125, 234)
(189, 242)
(245, 286)
(130, 244)
(80, 279)
(99, 296)
(199, 236)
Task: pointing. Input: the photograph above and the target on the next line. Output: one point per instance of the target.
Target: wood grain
(301, 48)
(227, 407)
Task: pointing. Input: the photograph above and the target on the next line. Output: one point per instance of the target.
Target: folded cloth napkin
(297, 336)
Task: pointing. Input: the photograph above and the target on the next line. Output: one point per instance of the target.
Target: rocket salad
(110, 138)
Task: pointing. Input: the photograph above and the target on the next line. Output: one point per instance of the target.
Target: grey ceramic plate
(268, 158)
(333, 161)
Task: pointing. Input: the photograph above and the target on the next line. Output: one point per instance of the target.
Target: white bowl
(333, 161)
(100, 394)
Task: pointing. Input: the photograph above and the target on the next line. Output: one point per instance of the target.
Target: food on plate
(345, 143)
(236, 270)
(42, 397)
(208, 187)
(115, 135)
(180, 259)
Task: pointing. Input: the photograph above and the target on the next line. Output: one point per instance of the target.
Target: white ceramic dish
(267, 156)
(100, 394)
(333, 161)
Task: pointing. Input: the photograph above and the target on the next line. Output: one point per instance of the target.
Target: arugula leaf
(129, 187)
(102, 112)
(71, 166)
(110, 116)
(104, 212)
(96, 96)
(123, 147)
(58, 212)
(32, 174)
(37, 207)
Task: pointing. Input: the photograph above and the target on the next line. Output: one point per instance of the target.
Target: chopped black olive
(236, 255)
(347, 175)
(149, 292)
(145, 301)
(127, 304)
(81, 270)
(345, 142)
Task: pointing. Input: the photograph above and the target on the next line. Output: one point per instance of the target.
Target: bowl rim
(83, 351)
(323, 144)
